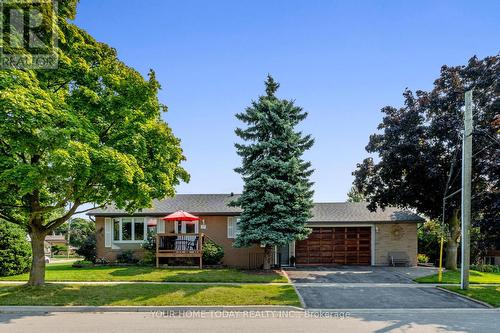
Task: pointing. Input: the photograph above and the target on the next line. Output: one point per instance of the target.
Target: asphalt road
(450, 320)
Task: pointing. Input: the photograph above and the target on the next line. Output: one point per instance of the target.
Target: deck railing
(179, 243)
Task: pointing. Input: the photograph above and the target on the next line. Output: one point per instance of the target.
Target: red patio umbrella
(180, 215)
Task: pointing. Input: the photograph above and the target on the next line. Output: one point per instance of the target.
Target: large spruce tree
(277, 194)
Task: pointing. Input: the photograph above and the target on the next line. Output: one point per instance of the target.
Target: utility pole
(466, 190)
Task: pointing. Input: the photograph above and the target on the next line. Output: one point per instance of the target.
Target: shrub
(486, 268)
(126, 257)
(88, 248)
(15, 250)
(82, 263)
(149, 245)
(212, 253)
(58, 248)
(102, 261)
(422, 258)
(429, 236)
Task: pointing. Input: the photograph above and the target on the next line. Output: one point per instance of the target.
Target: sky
(342, 61)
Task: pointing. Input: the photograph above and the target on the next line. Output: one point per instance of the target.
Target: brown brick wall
(110, 253)
(216, 229)
(389, 237)
(401, 237)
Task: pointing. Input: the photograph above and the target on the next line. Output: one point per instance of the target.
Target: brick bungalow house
(342, 233)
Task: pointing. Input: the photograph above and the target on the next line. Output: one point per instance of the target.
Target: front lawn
(149, 294)
(65, 272)
(490, 295)
(454, 277)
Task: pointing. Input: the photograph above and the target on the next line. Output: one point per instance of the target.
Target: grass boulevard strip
(65, 272)
(194, 292)
(148, 295)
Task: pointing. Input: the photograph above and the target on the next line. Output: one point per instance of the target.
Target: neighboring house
(56, 240)
(493, 256)
(342, 233)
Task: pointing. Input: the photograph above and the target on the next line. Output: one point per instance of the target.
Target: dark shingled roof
(218, 204)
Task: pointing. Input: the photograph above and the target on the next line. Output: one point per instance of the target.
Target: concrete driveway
(371, 288)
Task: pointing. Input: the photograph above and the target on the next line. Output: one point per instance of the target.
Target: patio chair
(398, 258)
(192, 245)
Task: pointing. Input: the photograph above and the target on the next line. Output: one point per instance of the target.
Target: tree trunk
(452, 241)
(268, 257)
(37, 272)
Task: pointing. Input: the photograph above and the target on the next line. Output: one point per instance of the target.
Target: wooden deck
(172, 245)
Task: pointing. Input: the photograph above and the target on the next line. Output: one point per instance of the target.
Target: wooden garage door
(335, 246)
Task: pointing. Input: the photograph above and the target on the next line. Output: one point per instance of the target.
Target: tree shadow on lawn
(195, 275)
(145, 295)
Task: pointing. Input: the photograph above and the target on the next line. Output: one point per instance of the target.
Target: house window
(183, 227)
(190, 228)
(129, 229)
(232, 227)
(139, 228)
(116, 229)
(126, 228)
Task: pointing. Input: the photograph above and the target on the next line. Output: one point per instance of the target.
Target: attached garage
(336, 246)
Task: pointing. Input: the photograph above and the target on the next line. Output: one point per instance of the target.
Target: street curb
(151, 309)
(467, 297)
(405, 310)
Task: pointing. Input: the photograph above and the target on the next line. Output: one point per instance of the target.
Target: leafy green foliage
(82, 263)
(422, 258)
(277, 195)
(126, 257)
(88, 249)
(486, 268)
(429, 237)
(89, 131)
(58, 248)
(419, 150)
(355, 196)
(79, 228)
(15, 250)
(212, 253)
(149, 245)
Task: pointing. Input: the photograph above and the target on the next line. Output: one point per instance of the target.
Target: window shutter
(108, 227)
(230, 227)
(160, 227)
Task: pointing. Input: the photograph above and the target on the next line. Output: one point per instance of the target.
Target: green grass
(488, 294)
(454, 277)
(148, 294)
(65, 272)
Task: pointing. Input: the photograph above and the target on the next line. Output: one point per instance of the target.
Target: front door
(284, 255)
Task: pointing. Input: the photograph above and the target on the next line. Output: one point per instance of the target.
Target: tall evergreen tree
(277, 195)
(354, 195)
